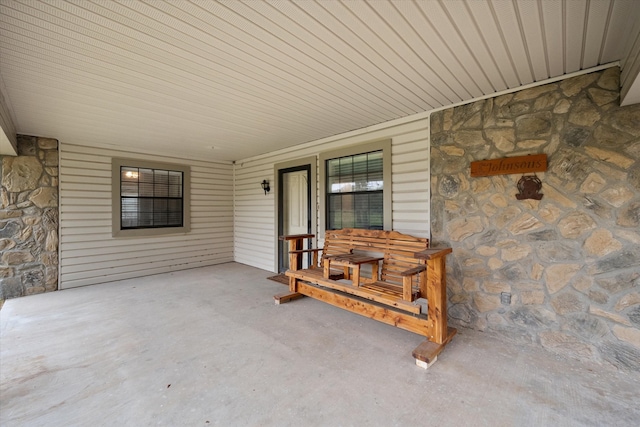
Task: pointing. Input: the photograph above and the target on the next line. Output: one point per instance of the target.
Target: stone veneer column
(570, 263)
(29, 218)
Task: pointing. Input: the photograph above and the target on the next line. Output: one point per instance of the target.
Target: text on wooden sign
(509, 165)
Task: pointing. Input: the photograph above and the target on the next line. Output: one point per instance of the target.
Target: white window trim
(382, 145)
(116, 231)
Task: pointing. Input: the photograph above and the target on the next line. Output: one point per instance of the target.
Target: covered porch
(207, 346)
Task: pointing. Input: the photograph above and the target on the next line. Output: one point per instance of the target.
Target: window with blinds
(354, 191)
(150, 198)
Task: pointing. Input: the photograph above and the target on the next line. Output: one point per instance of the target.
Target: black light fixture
(265, 186)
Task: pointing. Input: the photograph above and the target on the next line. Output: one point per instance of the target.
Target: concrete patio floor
(208, 347)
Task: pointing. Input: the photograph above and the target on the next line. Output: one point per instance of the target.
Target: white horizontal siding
(630, 73)
(88, 252)
(254, 216)
(254, 213)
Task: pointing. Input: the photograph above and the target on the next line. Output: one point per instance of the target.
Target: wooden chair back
(397, 248)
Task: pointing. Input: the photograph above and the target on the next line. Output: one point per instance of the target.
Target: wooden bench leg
(427, 353)
(426, 365)
(437, 297)
(282, 298)
(355, 276)
(293, 293)
(295, 261)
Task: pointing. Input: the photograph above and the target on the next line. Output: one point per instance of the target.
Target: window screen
(150, 198)
(355, 191)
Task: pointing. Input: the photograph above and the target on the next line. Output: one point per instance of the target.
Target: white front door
(295, 210)
(296, 214)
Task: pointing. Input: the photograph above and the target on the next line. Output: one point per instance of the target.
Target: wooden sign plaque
(510, 165)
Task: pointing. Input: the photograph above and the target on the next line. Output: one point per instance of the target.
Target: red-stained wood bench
(403, 282)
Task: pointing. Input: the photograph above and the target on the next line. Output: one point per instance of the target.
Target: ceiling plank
(252, 77)
(512, 35)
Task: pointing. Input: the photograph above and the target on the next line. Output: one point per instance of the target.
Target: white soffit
(6, 148)
(249, 77)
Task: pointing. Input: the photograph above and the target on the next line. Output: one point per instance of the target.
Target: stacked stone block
(29, 218)
(562, 272)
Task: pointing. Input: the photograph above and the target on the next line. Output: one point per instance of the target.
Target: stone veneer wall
(571, 261)
(29, 218)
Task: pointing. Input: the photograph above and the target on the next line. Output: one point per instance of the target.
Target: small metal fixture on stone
(529, 188)
(505, 298)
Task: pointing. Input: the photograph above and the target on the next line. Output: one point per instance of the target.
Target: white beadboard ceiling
(250, 77)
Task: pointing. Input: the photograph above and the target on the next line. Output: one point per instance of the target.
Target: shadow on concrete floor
(280, 278)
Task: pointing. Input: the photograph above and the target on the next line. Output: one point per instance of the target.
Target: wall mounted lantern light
(265, 186)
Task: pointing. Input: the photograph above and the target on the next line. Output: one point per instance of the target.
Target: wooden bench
(405, 287)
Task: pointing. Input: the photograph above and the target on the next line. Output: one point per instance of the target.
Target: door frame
(298, 164)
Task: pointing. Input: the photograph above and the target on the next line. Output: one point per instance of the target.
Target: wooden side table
(351, 264)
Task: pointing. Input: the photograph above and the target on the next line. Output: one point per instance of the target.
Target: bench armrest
(301, 251)
(297, 236)
(432, 253)
(296, 243)
(413, 271)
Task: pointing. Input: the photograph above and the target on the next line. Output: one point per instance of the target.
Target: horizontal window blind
(355, 191)
(151, 198)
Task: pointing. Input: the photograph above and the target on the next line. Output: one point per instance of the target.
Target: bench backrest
(397, 249)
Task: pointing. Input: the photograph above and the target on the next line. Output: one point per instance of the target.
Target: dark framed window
(354, 191)
(149, 198)
(355, 187)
